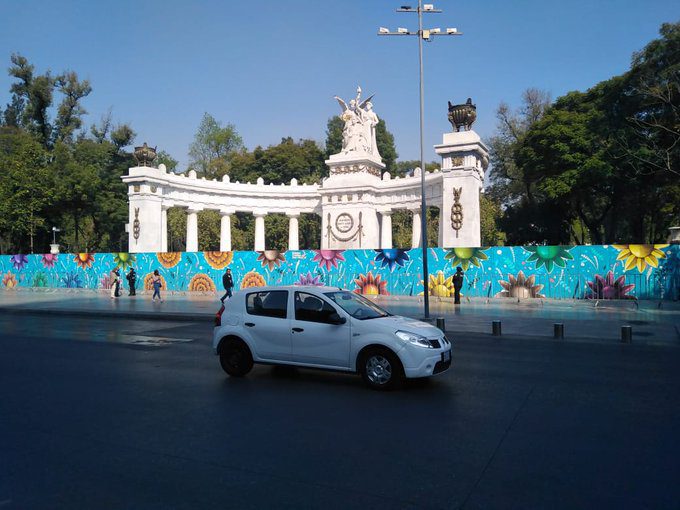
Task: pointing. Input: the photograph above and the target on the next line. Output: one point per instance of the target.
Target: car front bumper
(433, 364)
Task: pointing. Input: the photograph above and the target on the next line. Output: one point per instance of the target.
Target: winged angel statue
(360, 120)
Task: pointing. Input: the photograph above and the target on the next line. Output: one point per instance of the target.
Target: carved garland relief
(136, 225)
(344, 223)
(457, 211)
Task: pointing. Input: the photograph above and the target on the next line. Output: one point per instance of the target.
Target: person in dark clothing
(457, 284)
(132, 279)
(117, 283)
(228, 283)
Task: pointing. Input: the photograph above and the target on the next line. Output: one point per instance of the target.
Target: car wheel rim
(235, 358)
(378, 370)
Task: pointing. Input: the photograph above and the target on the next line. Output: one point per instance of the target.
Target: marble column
(259, 231)
(416, 229)
(192, 230)
(386, 230)
(293, 234)
(164, 228)
(225, 231)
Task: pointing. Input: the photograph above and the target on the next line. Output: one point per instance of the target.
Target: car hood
(400, 323)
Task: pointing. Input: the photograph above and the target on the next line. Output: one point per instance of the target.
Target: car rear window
(273, 303)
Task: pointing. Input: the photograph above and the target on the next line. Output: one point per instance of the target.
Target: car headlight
(414, 339)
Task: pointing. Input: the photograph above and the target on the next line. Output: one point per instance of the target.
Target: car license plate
(446, 356)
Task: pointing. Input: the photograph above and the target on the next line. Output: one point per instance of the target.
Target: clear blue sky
(272, 67)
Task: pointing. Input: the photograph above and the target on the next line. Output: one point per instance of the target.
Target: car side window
(312, 308)
(273, 303)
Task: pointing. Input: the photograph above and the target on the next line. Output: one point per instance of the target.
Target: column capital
(194, 208)
(167, 205)
(293, 214)
(259, 213)
(227, 212)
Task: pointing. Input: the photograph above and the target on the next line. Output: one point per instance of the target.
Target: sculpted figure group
(358, 134)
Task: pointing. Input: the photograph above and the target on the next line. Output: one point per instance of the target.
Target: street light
(422, 35)
(54, 234)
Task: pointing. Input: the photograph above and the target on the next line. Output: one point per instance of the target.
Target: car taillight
(218, 317)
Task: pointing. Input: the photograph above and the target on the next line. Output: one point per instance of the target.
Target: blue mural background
(560, 272)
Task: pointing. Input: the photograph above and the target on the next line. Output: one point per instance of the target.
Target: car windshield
(357, 306)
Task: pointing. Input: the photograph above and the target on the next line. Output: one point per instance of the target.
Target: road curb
(123, 314)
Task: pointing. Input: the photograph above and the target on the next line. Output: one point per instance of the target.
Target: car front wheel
(235, 358)
(381, 369)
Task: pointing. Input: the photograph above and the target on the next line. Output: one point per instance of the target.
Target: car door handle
(298, 330)
(249, 324)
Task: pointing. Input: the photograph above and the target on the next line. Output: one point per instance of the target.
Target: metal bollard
(558, 330)
(496, 328)
(626, 334)
(441, 323)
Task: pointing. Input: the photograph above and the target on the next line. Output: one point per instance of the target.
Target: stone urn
(145, 154)
(462, 115)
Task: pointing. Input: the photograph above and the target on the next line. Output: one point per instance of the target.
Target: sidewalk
(582, 319)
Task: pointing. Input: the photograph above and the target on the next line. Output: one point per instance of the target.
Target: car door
(268, 324)
(315, 339)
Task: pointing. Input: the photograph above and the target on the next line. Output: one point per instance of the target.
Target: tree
(164, 158)
(213, 148)
(70, 112)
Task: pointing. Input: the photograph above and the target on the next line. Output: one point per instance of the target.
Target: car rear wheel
(381, 369)
(235, 358)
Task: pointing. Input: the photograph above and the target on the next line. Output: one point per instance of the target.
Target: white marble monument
(355, 201)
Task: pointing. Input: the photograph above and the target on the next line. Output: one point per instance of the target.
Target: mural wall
(561, 272)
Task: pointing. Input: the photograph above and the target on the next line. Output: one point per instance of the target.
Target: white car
(327, 328)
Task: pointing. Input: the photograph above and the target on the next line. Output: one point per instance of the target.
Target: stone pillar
(192, 230)
(164, 228)
(225, 231)
(293, 235)
(259, 230)
(416, 235)
(386, 230)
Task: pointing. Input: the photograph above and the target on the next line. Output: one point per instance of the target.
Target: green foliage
(490, 214)
(163, 157)
(213, 148)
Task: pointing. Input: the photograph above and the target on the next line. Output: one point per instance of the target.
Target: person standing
(113, 277)
(132, 280)
(156, 282)
(228, 283)
(457, 284)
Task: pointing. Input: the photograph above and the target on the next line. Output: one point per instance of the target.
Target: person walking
(457, 284)
(113, 277)
(156, 282)
(228, 283)
(132, 280)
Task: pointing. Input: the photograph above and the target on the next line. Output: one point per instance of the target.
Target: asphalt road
(133, 414)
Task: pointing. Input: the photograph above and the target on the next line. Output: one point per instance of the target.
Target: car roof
(317, 288)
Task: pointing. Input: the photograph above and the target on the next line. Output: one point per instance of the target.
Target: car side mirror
(335, 318)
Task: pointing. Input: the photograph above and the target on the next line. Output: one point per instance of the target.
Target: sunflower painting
(253, 279)
(83, 260)
(169, 259)
(391, 258)
(124, 260)
(549, 256)
(271, 258)
(218, 259)
(640, 255)
(520, 287)
(439, 285)
(465, 256)
(202, 283)
(371, 285)
(9, 281)
(148, 282)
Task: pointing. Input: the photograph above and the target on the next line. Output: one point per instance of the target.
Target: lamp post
(54, 247)
(423, 35)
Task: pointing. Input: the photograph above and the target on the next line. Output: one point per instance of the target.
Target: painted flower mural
(218, 259)
(105, 282)
(371, 285)
(271, 258)
(18, 261)
(72, 281)
(608, 288)
(309, 279)
(49, 259)
(253, 279)
(170, 259)
(439, 285)
(124, 260)
(328, 258)
(148, 282)
(9, 281)
(84, 260)
(549, 256)
(39, 279)
(640, 255)
(391, 258)
(520, 287)
(465, 256)
(202, 283)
